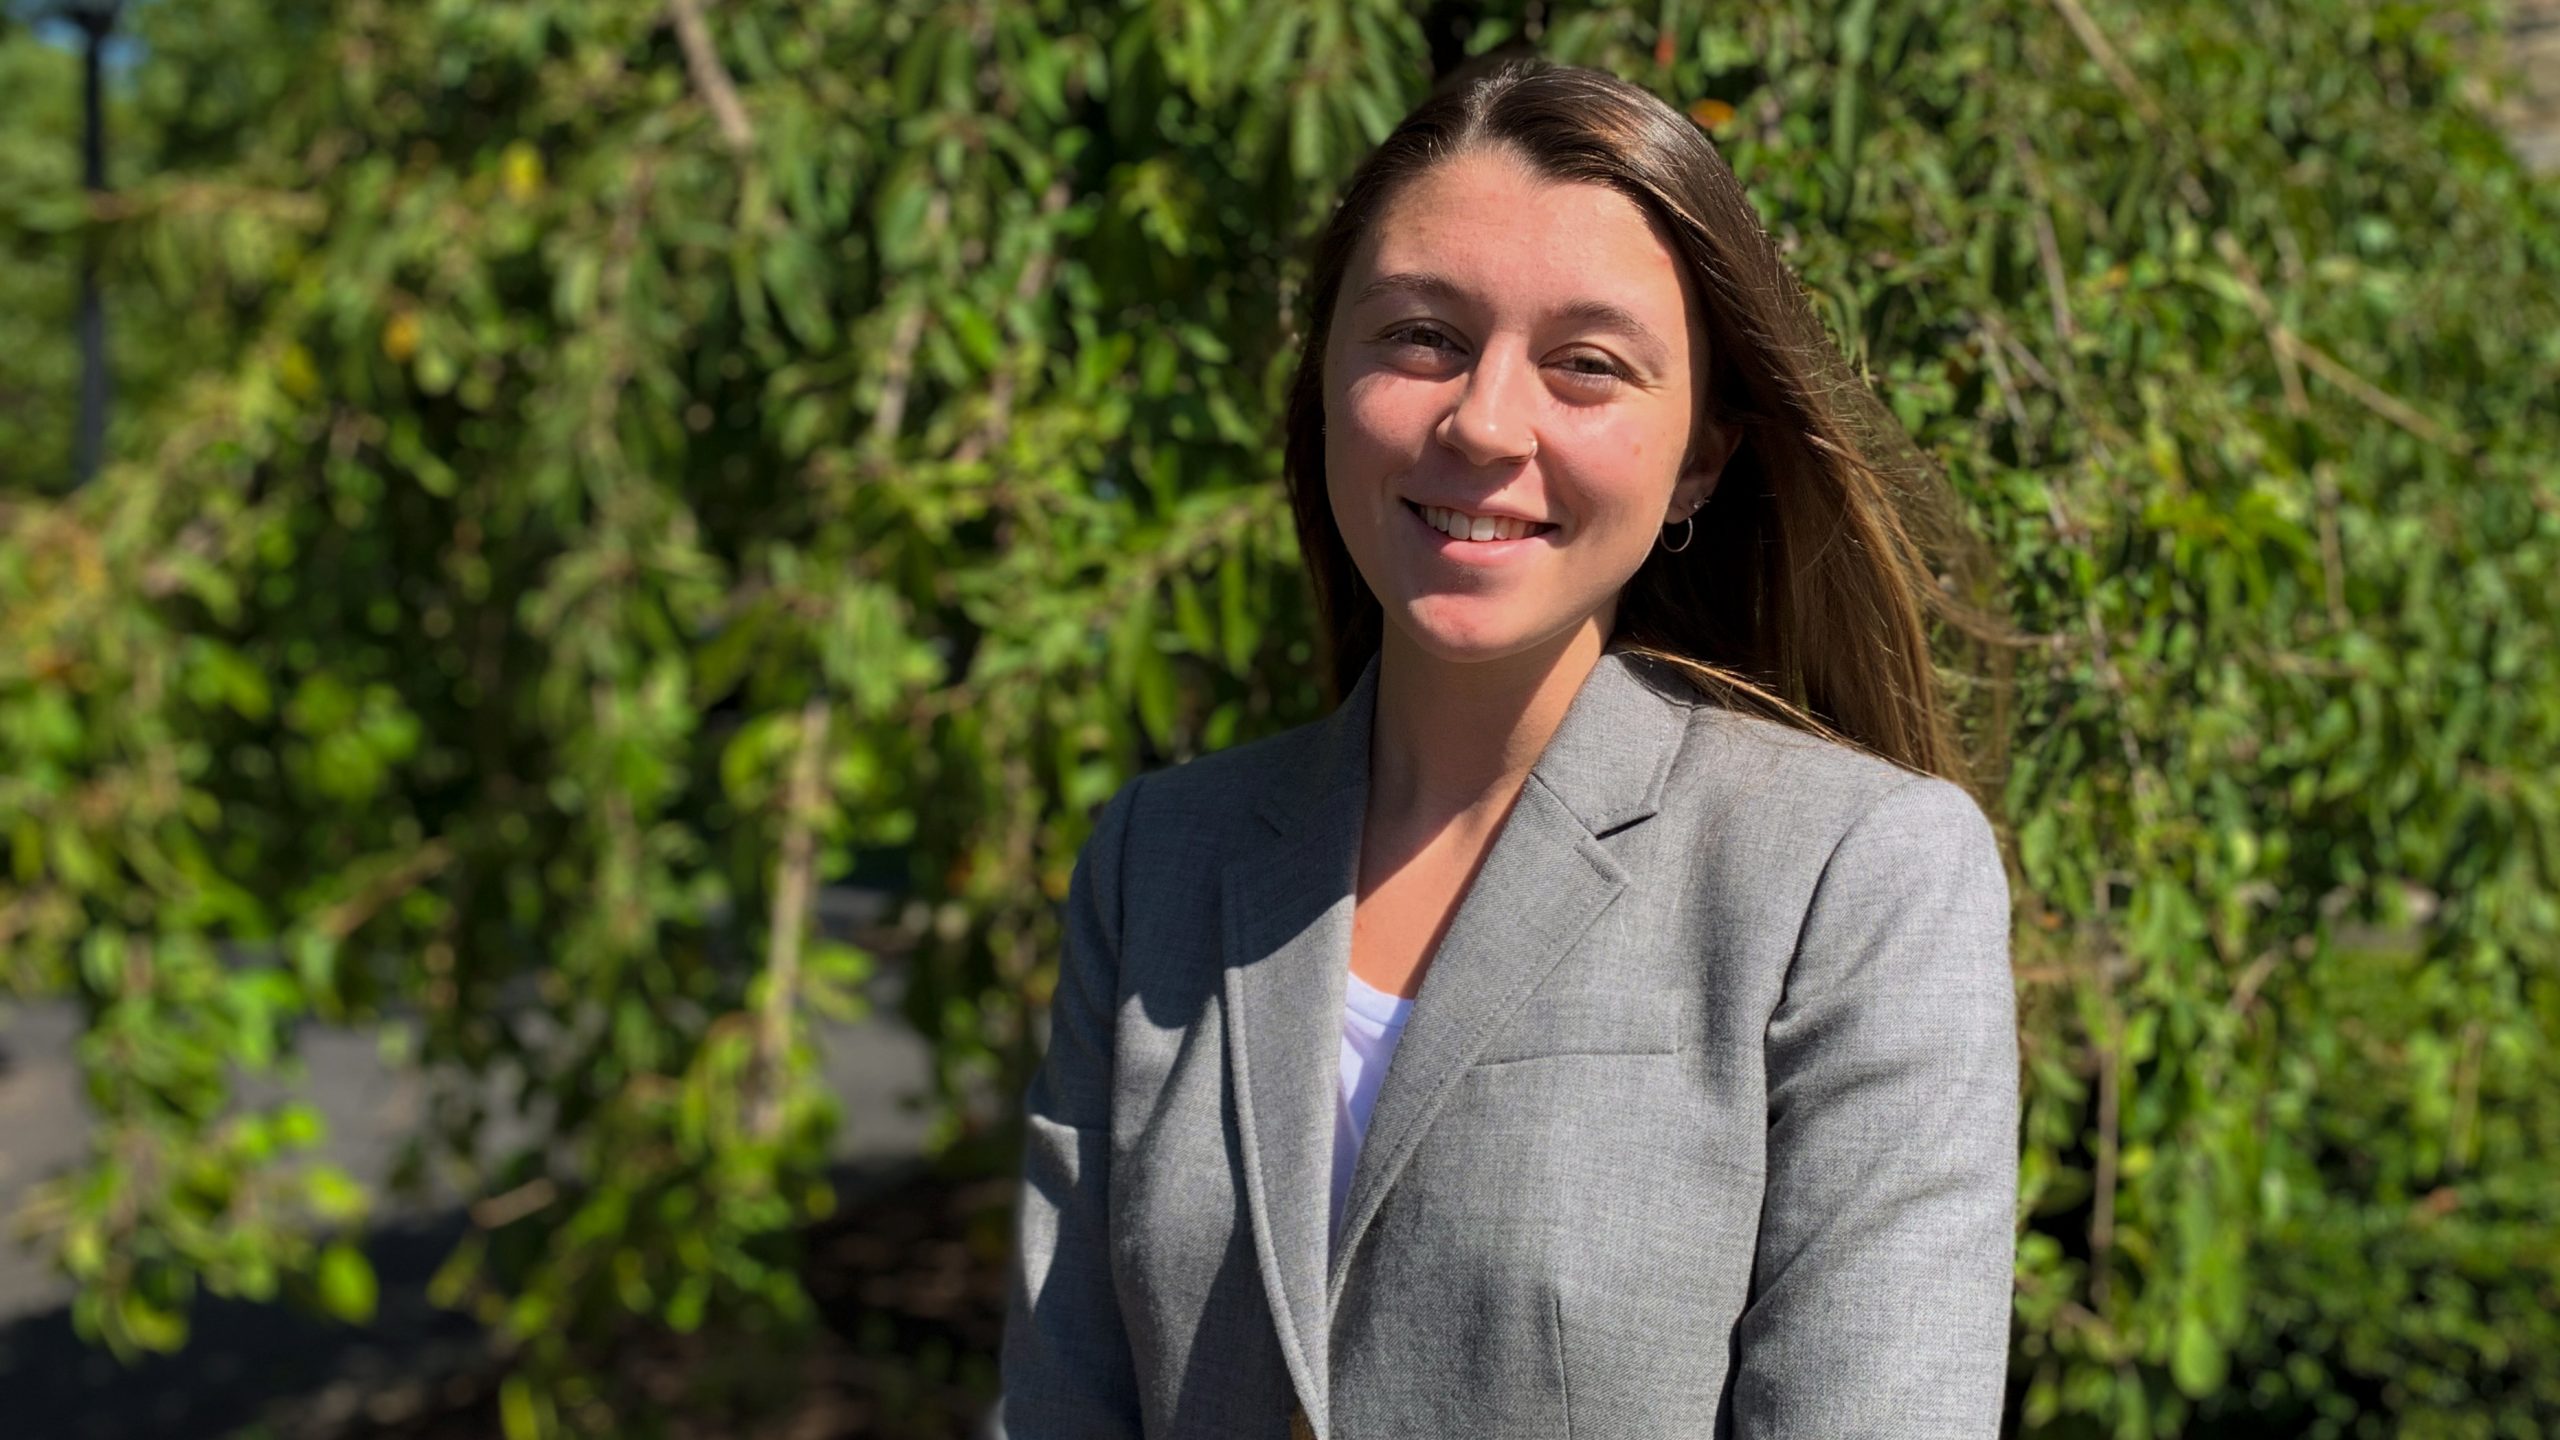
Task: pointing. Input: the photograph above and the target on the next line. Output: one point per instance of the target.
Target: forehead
(1508, 235)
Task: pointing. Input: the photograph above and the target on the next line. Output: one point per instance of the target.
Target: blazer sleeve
(1064, 1367)
(1880, 1292)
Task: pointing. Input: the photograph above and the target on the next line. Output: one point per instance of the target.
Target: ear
(1706, 466)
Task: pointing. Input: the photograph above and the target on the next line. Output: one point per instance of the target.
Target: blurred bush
(605, 469)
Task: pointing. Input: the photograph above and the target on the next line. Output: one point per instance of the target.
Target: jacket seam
(1564, 1375)
(1120, 994)
(1120, 876)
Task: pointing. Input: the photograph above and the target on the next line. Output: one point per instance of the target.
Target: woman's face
(1521, 353)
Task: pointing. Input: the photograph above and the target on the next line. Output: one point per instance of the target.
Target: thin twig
(2008, 389)
(2102, 653)
(2325, 365)
(893, 386)
(2058, 378)
(2048, 248)
(627, 917)
(2372, 396)
(900, 366)
(196, 542)
(2244, 994)
(2466, 1097)
(789, 921)
(2297, 401)
(1027, 287)
(2094, 40)
(347, 916)
(613, 323)
(2103, 52)
(2333, 552)
(499, 1211)
(702, 61)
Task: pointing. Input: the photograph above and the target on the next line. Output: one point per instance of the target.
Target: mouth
(1459, 528)
(1512, 540)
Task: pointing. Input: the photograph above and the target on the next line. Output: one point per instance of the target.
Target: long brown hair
(1805, 592)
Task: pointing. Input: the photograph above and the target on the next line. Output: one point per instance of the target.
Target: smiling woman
(1601, 1021)
(1498, 370)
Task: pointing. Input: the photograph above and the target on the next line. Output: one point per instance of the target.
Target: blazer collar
(1287, 905)
(1607, 760)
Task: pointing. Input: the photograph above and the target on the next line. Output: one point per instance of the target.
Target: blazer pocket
(1591, 1024)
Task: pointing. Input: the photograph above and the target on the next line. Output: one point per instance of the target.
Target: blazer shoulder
(1208, 793)
(1809, 783)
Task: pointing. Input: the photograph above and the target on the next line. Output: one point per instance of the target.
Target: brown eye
(1417, 336)
(1607, 372)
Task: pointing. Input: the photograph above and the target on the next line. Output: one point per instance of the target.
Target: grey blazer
(1704, 1122)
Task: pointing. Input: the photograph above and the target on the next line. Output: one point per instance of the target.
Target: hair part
(1806, 594)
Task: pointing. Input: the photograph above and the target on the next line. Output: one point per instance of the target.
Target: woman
(1601, 1023)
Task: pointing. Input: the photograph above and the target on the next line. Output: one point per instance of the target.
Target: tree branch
(2048, 248)
(2290, 347)
(702, 61)
(2094, 40)
(789, 921)
(900, 366)
(1027, 287)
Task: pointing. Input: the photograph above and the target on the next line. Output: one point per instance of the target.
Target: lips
(1475, 553)
(1454, 521)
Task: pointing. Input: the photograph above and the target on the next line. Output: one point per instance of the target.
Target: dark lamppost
(97, 20)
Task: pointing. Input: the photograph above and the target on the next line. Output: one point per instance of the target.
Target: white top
(1372, 1022)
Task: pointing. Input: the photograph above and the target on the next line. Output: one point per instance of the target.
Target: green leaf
(2197, 1361)
(523, 1413)
(346, 1283)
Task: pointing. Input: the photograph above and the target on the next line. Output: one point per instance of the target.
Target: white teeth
(1461, 526)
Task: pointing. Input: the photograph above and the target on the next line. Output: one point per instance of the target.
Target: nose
(1491, 423)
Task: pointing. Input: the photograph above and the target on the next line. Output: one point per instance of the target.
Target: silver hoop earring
(1687, 534)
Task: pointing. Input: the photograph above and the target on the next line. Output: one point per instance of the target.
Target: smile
(1475, 529)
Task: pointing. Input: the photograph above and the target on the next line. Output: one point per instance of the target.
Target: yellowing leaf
(520, 172)
(294, 370)
(400, 337)
(1710, 113)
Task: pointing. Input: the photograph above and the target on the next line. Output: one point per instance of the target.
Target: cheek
(1352, 468)
(1620, 529)
(1621, 479)
(1385, 412)
(1376, 428)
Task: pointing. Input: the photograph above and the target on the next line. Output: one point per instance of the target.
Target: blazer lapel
(1288, 904)
(1287, 908)
(1543, 883)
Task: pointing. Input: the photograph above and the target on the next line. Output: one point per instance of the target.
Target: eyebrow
(1599, 314)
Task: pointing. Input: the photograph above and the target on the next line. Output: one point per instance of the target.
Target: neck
(1456, 739)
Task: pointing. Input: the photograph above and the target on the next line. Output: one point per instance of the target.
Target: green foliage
(44, 236)
(39, 170)
(577, 522)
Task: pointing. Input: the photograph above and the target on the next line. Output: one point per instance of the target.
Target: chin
(1466, 632)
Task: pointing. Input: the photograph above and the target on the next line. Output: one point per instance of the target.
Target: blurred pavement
(242, 1357)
